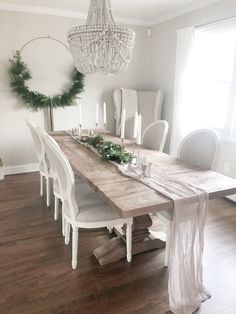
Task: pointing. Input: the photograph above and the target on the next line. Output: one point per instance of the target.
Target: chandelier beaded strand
(101, 46)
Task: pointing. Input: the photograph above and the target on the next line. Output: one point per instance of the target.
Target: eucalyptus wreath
(20, 74)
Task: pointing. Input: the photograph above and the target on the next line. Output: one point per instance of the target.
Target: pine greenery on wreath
(20, 74)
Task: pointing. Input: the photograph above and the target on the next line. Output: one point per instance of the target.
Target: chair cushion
(91, 207)
(94, 209)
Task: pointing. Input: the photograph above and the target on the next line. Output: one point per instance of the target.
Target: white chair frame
(164, 135)
(69, 197)
(41, 156)
(167, 223)
(206, 131)
(57, 196)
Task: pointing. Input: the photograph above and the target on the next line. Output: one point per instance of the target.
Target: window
(213, 80)
(205, 81)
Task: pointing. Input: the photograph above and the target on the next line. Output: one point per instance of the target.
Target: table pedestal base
(142, 241)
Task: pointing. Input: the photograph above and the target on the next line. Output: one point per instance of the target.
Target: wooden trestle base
(142, 241)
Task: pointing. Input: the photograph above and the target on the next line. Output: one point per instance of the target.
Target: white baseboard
(21, 169)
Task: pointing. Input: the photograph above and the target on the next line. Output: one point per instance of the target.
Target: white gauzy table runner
(186, 290)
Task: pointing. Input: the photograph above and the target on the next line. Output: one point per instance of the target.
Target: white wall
(50, 65)
(162, 59)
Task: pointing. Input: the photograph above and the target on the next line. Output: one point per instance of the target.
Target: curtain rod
(215, 22)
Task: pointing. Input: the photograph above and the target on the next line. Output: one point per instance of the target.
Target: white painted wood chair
(154, 136)
(199, 148)
(56, 189)
(81, 208)
(44, 168)
(57, 195)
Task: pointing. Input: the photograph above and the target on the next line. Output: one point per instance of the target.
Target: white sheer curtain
(215, 76)
(184, 51)
(205, 81)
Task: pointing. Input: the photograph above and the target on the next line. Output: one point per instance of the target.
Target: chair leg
(110, 229)
(75, 236)
(129, 242)
(56, 205)
(63, 221)
(48, 191)
(41, 185)
(67, 233)
(167, 250)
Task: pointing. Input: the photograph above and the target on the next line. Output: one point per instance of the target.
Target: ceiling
(144, 12)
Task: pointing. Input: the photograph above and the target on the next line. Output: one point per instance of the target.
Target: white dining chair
(57, 195)
(147, 103)
(82, 208)
(44, 167)
(154, 136)
(56, 190)
(199, 148)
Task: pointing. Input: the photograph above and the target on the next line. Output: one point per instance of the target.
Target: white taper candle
(104, 113)
(96, 121)
(136, 119)
(122, 133)
(139, 135)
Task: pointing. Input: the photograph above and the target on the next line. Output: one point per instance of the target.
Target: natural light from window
(211, 87)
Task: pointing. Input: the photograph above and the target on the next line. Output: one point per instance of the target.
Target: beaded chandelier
(101, 46)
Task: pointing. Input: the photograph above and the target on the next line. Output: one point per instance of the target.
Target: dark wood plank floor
(35, 265)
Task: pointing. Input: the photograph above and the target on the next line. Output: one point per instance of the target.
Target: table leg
(142, 241)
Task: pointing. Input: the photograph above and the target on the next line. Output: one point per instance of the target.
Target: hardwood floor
(35, 265)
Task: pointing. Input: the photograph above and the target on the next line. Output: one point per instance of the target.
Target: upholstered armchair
(149, 105)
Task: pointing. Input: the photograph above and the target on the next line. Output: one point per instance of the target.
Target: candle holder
(78, 132)
(133, 144)
(139, 149)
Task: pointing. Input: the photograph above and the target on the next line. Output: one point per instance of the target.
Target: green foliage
(94, 141)
(108, 150)
(19, 75)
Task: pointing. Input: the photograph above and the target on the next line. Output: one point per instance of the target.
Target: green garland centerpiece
(108, 150)
(20, 74)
